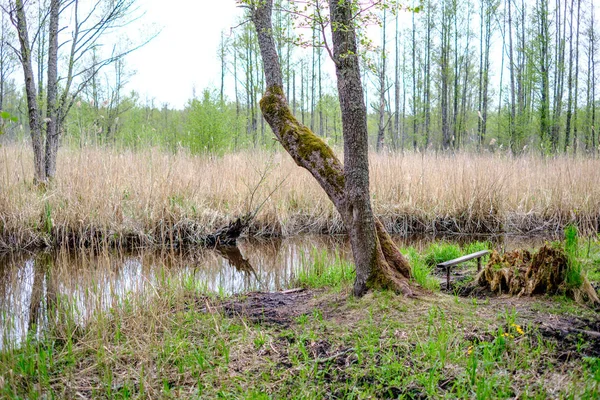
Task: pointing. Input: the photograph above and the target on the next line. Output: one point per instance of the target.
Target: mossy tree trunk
(378, 261)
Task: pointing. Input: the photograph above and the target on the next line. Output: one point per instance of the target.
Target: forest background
(480, 75)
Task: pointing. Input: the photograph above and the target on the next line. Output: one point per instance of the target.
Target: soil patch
(575, 336)
(278, 308)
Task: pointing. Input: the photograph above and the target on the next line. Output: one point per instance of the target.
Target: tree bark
(382, 90)
(35, 126)
(378, 261)
(52, 134)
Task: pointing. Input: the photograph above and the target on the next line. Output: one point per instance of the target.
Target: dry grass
(109, 197)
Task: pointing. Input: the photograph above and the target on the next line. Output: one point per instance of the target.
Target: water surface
(33, 283)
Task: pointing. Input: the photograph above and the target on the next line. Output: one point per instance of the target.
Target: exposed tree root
(392, 269)
(520, 273)
(229, 234)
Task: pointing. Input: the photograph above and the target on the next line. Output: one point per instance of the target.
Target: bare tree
(89, 25)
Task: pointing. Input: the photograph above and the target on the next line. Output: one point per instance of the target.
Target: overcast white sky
(184, 54)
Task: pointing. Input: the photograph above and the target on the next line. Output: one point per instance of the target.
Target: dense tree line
(515, 75)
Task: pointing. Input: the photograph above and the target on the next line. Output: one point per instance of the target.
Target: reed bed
(106, 197)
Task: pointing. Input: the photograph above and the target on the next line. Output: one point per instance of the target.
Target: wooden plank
(462, 259)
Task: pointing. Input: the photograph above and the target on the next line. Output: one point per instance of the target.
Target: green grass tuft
(422, 272)
(440, 252)
(574, 276)
(324, 270)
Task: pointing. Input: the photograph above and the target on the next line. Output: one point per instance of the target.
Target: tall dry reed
(107, 197)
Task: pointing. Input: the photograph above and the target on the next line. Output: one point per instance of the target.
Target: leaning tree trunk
(378, 261)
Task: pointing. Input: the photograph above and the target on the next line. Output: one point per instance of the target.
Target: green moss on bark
(309, 147)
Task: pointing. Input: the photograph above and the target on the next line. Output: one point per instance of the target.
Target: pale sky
(184, 54)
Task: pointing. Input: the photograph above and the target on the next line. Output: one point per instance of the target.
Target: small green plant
(422, 272)
(574, 277)
(474, 247)
(6, 117)
(323, 270)
(48, 218)
(440, 252)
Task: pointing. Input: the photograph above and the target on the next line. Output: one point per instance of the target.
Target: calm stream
(31, 281)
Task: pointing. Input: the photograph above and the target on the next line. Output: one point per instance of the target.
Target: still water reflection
(33, 284)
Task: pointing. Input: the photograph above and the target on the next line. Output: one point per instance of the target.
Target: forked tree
(379, 263)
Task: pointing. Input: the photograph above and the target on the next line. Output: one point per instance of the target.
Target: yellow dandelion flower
(518, 329)
(470, 350)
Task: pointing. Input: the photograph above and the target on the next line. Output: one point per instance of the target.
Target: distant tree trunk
(445, 71)
(559, 76)
(294, 92)
(414, 82)
(427, 78)
(570, 83)
(456, 133)
(382, 90)
(403, 126)
(7, 59)
(222, 59)
(482, 13)
(544, 40)
(237, 99)
(575, 107)
(486, 75)
(322, 131)
(378, 261)
(52, 116)
(511, 60)
(302, 90)
(484, 66)
(396, 88)
(590, 142)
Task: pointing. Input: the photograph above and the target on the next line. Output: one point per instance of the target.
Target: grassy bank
(181, 343)
(108, 198)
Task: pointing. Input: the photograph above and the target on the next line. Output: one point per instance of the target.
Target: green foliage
(206, 126)
(474, 247)
(48, 218)
(324, 270)
(6, 117)
(441, 251)
(574, 276)
(422, 271)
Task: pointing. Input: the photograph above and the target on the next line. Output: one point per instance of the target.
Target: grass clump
(441, 251)
(422, 271)
(323, 270)
(474, 247)
(574, 274)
